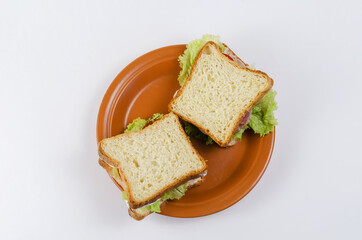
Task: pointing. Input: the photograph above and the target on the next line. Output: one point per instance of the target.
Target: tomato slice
(148, 124)
(228, 57)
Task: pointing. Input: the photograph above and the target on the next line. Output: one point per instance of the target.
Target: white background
(58, 58)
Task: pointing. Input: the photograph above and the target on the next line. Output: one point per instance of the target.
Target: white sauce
(175, 93)
(232, 142)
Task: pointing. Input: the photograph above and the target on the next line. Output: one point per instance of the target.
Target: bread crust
(137, 216)
(131, 211)
(133, 203)
(241, 115)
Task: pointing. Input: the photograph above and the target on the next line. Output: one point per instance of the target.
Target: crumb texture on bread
(153, 159)
(218, 94)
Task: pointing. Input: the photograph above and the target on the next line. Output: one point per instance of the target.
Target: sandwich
(153, 161)
(221, 96)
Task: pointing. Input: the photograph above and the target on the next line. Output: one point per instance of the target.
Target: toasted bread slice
(153, 160)
(218, 93)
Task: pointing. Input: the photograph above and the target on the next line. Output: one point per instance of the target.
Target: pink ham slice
(245, 121)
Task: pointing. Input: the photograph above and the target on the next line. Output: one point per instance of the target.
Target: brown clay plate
(145, 87)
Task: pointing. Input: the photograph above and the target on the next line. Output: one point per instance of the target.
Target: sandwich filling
(260, 118)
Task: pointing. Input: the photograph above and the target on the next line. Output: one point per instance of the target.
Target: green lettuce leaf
(262, 119)
(192, 49)
(155, 117)
(192, 130)
(237, 136)
(154, 207)
(115, 173)
(176, 193)
(124, 195)
(135, 125)
(140, 123)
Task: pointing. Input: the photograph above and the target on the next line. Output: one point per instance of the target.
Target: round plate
(145, 87)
